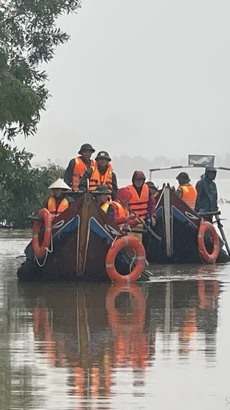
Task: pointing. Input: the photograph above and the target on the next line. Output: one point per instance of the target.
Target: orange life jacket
(52, 206)
(98, 179)
(78, 171)
(189, 194)
(105, 206)
(139, 204)
(122, 212)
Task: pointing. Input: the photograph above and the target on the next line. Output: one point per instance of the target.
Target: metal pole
(220, 226)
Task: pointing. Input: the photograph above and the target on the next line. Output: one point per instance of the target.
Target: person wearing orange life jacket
(78, 166)
(142, 202)
(118, 211)
(58, 201)
(100, 174)
(101, 197)
(186, 191)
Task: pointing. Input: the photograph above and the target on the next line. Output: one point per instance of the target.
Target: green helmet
(103, 189)
(103, 155)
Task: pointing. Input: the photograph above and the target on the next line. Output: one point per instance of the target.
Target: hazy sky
(139, 78)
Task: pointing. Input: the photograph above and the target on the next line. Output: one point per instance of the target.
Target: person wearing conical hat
(77, 166)
(58, 201)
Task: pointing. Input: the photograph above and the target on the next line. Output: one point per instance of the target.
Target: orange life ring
(134, 348)
(112, 253)
(113, 313)
(208, 257)
(40, 249)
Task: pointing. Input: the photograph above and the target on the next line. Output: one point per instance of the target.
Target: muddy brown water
(162, 344)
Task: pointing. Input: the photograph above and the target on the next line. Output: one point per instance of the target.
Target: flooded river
(162, 344)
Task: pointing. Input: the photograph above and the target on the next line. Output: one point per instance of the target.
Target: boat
(81, 244)
(186, 236)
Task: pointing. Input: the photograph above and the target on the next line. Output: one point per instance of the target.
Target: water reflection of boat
(94, 332)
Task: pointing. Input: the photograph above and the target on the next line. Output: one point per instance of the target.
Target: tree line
(23, 188)
(29, 35)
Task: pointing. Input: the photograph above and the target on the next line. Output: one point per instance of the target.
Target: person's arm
(117, 219)
(133, 222)
(83, 181)
(110, 212)
(216, 199)
(199, 189)
(114, 185)
(152, 206)
(179, 192)
(68, 176)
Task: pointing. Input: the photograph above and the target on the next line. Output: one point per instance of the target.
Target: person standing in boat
(142, 202)
(198, 182)
(58, 201)
(186, 191)
(207, 193)
(100, 174)
(78, 166)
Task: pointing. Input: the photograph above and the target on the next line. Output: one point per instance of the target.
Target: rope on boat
(46, 255)
(132, 261)
(58, 224)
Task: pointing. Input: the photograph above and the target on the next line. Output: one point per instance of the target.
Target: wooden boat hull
(81, 237)
(178, 226)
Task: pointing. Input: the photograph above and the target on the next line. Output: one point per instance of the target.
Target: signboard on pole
(201, 160)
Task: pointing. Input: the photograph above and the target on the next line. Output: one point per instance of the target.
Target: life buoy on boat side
(208, 257)
(40, 249)
(119, 244)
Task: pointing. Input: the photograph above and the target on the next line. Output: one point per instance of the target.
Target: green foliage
(28, 37)
(23, 188)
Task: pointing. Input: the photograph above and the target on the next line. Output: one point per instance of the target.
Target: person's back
(186, 191)
(207, 192)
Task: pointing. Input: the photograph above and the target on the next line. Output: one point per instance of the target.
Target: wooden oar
(134, 230)
(137, 216)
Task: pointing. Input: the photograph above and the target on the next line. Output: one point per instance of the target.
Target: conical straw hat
(59, 184)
